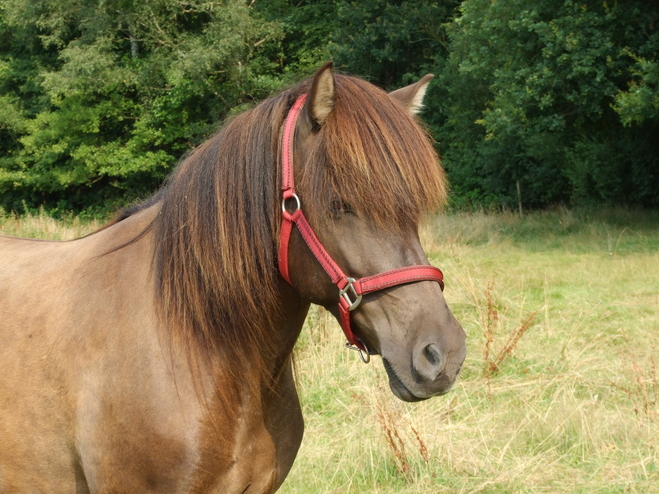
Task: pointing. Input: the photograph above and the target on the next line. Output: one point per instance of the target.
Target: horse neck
(287, 327)
(134, 238)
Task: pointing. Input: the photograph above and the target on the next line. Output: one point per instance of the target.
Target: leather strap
(410, 274)
(287, 145)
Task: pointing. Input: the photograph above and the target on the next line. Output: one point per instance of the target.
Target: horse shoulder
(84, 376)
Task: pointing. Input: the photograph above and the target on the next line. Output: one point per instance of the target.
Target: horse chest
(238, 452)
(250, 448)
(242, 461)
(255, 451)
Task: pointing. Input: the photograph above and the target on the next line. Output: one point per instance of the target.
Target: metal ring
(366, 359)
(297, 200)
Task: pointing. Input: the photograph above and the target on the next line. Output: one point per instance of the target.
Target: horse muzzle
(430, 371)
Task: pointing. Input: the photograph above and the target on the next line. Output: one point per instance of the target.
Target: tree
(531, 94)
(121, 89)
(100, 99)
(392, 43)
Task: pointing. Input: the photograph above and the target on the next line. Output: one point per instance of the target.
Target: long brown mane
(217, 230)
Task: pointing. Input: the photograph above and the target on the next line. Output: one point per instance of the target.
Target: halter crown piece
(350, 289)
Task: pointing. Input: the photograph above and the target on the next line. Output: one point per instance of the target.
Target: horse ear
(321, 96)
(411, 97)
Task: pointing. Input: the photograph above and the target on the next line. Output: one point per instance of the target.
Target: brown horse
(154, 355)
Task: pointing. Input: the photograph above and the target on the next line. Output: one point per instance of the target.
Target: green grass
(573, 408)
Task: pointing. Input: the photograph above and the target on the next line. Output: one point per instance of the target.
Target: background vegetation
(572, 406)
(100, 98)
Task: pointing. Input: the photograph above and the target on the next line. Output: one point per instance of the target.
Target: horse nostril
(428, 363)
(432, 354)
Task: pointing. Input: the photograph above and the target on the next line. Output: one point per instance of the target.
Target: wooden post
(519, 198)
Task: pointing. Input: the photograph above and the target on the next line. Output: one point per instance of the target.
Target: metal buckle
(366, 359)
(344, 294)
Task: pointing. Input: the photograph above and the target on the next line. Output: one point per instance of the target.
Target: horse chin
(398, 388)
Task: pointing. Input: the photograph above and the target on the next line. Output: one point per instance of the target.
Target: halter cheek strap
(351, 291)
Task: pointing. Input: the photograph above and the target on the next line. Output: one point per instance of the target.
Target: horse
(155, 354)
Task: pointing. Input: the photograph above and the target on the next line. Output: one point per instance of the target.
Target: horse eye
(340, 208)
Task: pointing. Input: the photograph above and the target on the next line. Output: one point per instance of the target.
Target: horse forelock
(217, 230)
(372, 155)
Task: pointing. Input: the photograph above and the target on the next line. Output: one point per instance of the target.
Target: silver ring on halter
(366, 359)
(344, 293)
(297, 200)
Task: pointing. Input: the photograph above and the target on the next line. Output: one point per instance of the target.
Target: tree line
(550, 102)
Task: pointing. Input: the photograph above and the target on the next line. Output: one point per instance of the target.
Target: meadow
(560, 389)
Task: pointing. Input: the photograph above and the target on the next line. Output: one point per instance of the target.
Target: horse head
(366, 172)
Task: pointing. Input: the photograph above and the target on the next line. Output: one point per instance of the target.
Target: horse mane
(217, 230)
(215, 235)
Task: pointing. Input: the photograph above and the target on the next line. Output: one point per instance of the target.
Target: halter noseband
(350, 289)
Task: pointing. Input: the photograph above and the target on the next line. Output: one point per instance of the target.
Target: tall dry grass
(42, 226)
(559, 389)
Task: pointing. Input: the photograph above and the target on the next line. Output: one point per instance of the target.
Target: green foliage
(133, 86)
(640, 102)
(98, 100)
(391, 42)
(536, 93)
(308, 26)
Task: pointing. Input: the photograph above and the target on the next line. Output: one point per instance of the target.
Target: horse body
(154, 355)
(94, 398)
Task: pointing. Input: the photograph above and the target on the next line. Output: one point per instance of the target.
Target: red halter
(348, 287)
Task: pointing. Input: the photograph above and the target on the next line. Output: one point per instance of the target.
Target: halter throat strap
(351, 290)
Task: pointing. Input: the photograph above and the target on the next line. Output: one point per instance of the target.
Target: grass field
(560, 389)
